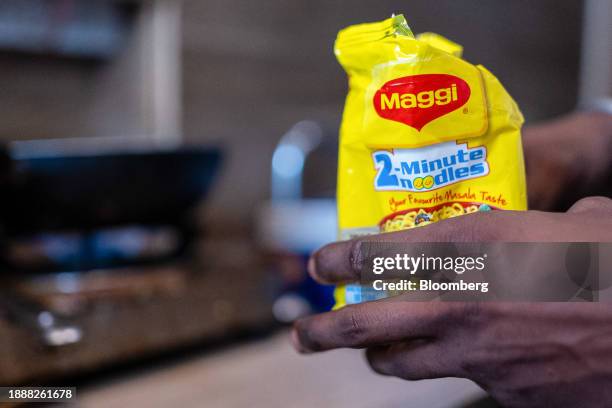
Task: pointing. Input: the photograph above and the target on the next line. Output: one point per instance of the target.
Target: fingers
(374, 323)
(602, 205)
(337, 262)
(341, 262)
(417, 360)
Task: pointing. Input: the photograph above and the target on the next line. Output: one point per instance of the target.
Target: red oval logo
(416, 100)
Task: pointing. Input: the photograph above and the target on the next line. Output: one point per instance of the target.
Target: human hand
(567, 158)
(523, 354)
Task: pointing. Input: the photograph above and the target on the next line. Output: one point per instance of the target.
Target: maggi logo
(418, 99)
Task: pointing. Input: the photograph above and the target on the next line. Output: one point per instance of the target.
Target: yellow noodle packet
(425, 136)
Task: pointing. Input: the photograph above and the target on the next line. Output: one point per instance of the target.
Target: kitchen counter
(268, 373)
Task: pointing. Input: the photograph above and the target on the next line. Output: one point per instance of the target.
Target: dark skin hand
(567, 159)
(523, 354)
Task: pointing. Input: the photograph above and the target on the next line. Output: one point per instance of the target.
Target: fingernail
(312, 267)
(297, 345)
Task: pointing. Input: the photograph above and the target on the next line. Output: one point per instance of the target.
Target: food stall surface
(268, 373)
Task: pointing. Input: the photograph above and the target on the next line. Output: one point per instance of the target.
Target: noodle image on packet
(425, 136)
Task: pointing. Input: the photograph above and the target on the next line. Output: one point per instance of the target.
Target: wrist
(599, 114)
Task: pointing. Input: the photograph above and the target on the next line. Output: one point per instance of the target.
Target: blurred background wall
(251, 69)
